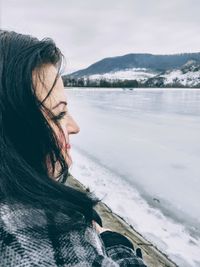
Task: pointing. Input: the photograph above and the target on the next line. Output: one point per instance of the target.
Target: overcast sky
(89, 30)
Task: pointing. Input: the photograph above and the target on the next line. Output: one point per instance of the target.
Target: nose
(72, 126)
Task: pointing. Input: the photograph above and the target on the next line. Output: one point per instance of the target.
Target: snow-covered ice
(140, 151)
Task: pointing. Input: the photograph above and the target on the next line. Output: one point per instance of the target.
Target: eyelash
(59, 116)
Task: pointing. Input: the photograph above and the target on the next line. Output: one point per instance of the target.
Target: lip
(68, 146)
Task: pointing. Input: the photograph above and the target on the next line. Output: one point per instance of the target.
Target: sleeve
(121, 249)
(111, 238)
(92, 251)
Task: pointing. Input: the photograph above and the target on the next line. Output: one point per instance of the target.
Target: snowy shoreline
(170, 237)
(153, 257)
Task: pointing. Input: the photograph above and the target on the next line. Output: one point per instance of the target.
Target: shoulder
(29, 237)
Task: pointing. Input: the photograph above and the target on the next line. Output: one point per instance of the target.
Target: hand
(98, 228)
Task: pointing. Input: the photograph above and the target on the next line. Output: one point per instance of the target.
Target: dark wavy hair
(26, 137)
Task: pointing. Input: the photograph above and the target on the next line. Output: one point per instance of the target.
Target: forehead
(43, 80)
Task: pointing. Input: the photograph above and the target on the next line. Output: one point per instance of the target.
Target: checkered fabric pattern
(28, 238)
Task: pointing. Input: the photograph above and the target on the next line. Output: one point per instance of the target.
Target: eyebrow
(61, 102)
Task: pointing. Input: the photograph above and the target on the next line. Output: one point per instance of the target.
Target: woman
(42, 221)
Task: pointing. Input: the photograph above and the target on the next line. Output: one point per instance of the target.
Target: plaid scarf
(30, 238)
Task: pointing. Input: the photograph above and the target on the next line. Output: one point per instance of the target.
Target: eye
(59, 116)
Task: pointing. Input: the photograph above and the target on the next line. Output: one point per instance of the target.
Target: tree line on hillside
(81, 82)
(101, 83)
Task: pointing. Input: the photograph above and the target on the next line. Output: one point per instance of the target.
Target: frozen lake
(139, 150)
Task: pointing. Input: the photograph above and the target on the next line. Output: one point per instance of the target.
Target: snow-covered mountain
(179, 70)
(187, 76)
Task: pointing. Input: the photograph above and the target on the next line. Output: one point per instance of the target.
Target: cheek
(63, 139)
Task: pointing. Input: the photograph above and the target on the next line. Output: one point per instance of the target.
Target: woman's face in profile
(57, 103)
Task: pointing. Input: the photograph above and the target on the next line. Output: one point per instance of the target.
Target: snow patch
(139, 74)
(187, 79)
